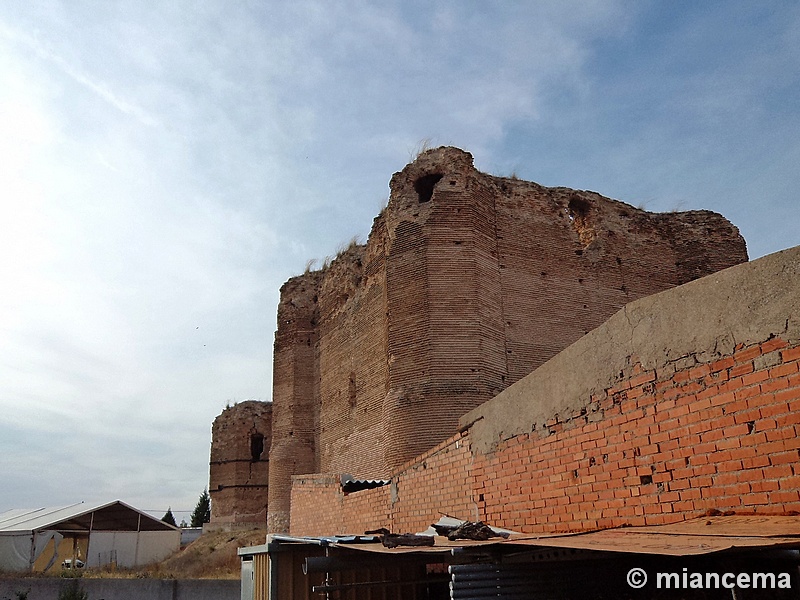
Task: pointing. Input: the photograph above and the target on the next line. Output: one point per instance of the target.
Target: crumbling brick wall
(239, 470)
(682, 403)
(466, 283)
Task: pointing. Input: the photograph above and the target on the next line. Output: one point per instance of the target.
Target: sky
(166, 166)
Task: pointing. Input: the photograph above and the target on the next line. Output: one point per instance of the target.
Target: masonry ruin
(467, 283)
(239, 468)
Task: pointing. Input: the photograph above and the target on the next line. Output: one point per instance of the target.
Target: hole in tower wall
(424, 186)
(579, 211)
(256, 446)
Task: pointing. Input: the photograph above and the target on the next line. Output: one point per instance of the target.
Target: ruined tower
(239, 469)
(466, 284)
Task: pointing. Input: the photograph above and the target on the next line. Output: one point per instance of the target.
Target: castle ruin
(466, 284)
(239, 469)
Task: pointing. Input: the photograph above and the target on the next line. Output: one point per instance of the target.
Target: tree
(169, 518)
(202, 512)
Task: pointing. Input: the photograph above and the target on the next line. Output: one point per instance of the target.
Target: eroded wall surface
(239, 466)
(466, 284)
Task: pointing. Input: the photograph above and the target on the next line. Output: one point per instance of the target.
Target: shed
(717, 557)
(111, 533)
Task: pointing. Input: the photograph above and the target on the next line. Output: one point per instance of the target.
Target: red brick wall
(438, 482)
(656, 448)
(316, 505)
(366, 510)
(659, 446)
(319, 507)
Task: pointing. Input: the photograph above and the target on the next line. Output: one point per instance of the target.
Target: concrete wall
(466, 284)
(124, 589)
(681, 403)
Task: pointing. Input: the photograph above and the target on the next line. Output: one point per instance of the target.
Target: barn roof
(81, 517)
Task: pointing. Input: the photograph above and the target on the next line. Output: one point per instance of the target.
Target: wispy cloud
(41, 49)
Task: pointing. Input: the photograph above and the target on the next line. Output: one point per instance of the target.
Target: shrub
(73, 591)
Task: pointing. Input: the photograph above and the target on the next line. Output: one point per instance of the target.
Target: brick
(753, 378)
(780, 458)
(699, 372)
(791, 354)
(645, 377)
(721, 364)
(741, 369)
(781, 497)
(747, 354)
(773, 410)
(774, 384)
(787, 395)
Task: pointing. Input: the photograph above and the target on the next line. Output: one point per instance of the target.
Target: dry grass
(211, 556)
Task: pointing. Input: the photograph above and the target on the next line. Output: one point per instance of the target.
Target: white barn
(39, 539)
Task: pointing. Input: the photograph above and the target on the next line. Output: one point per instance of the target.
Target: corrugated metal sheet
(479, 582)
(351, 484)
(697, 536)
(32, 519)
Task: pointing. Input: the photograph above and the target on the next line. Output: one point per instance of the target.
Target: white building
(112, 533)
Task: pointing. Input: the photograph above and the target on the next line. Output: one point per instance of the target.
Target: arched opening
(256, 446)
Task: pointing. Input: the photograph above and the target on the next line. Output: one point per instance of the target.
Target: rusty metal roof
(703, 535)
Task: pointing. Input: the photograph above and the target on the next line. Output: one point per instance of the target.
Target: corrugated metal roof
(703, 535)
(351, 484)
(115, 515)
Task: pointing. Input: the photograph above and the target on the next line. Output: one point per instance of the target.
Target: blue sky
(166, 166)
